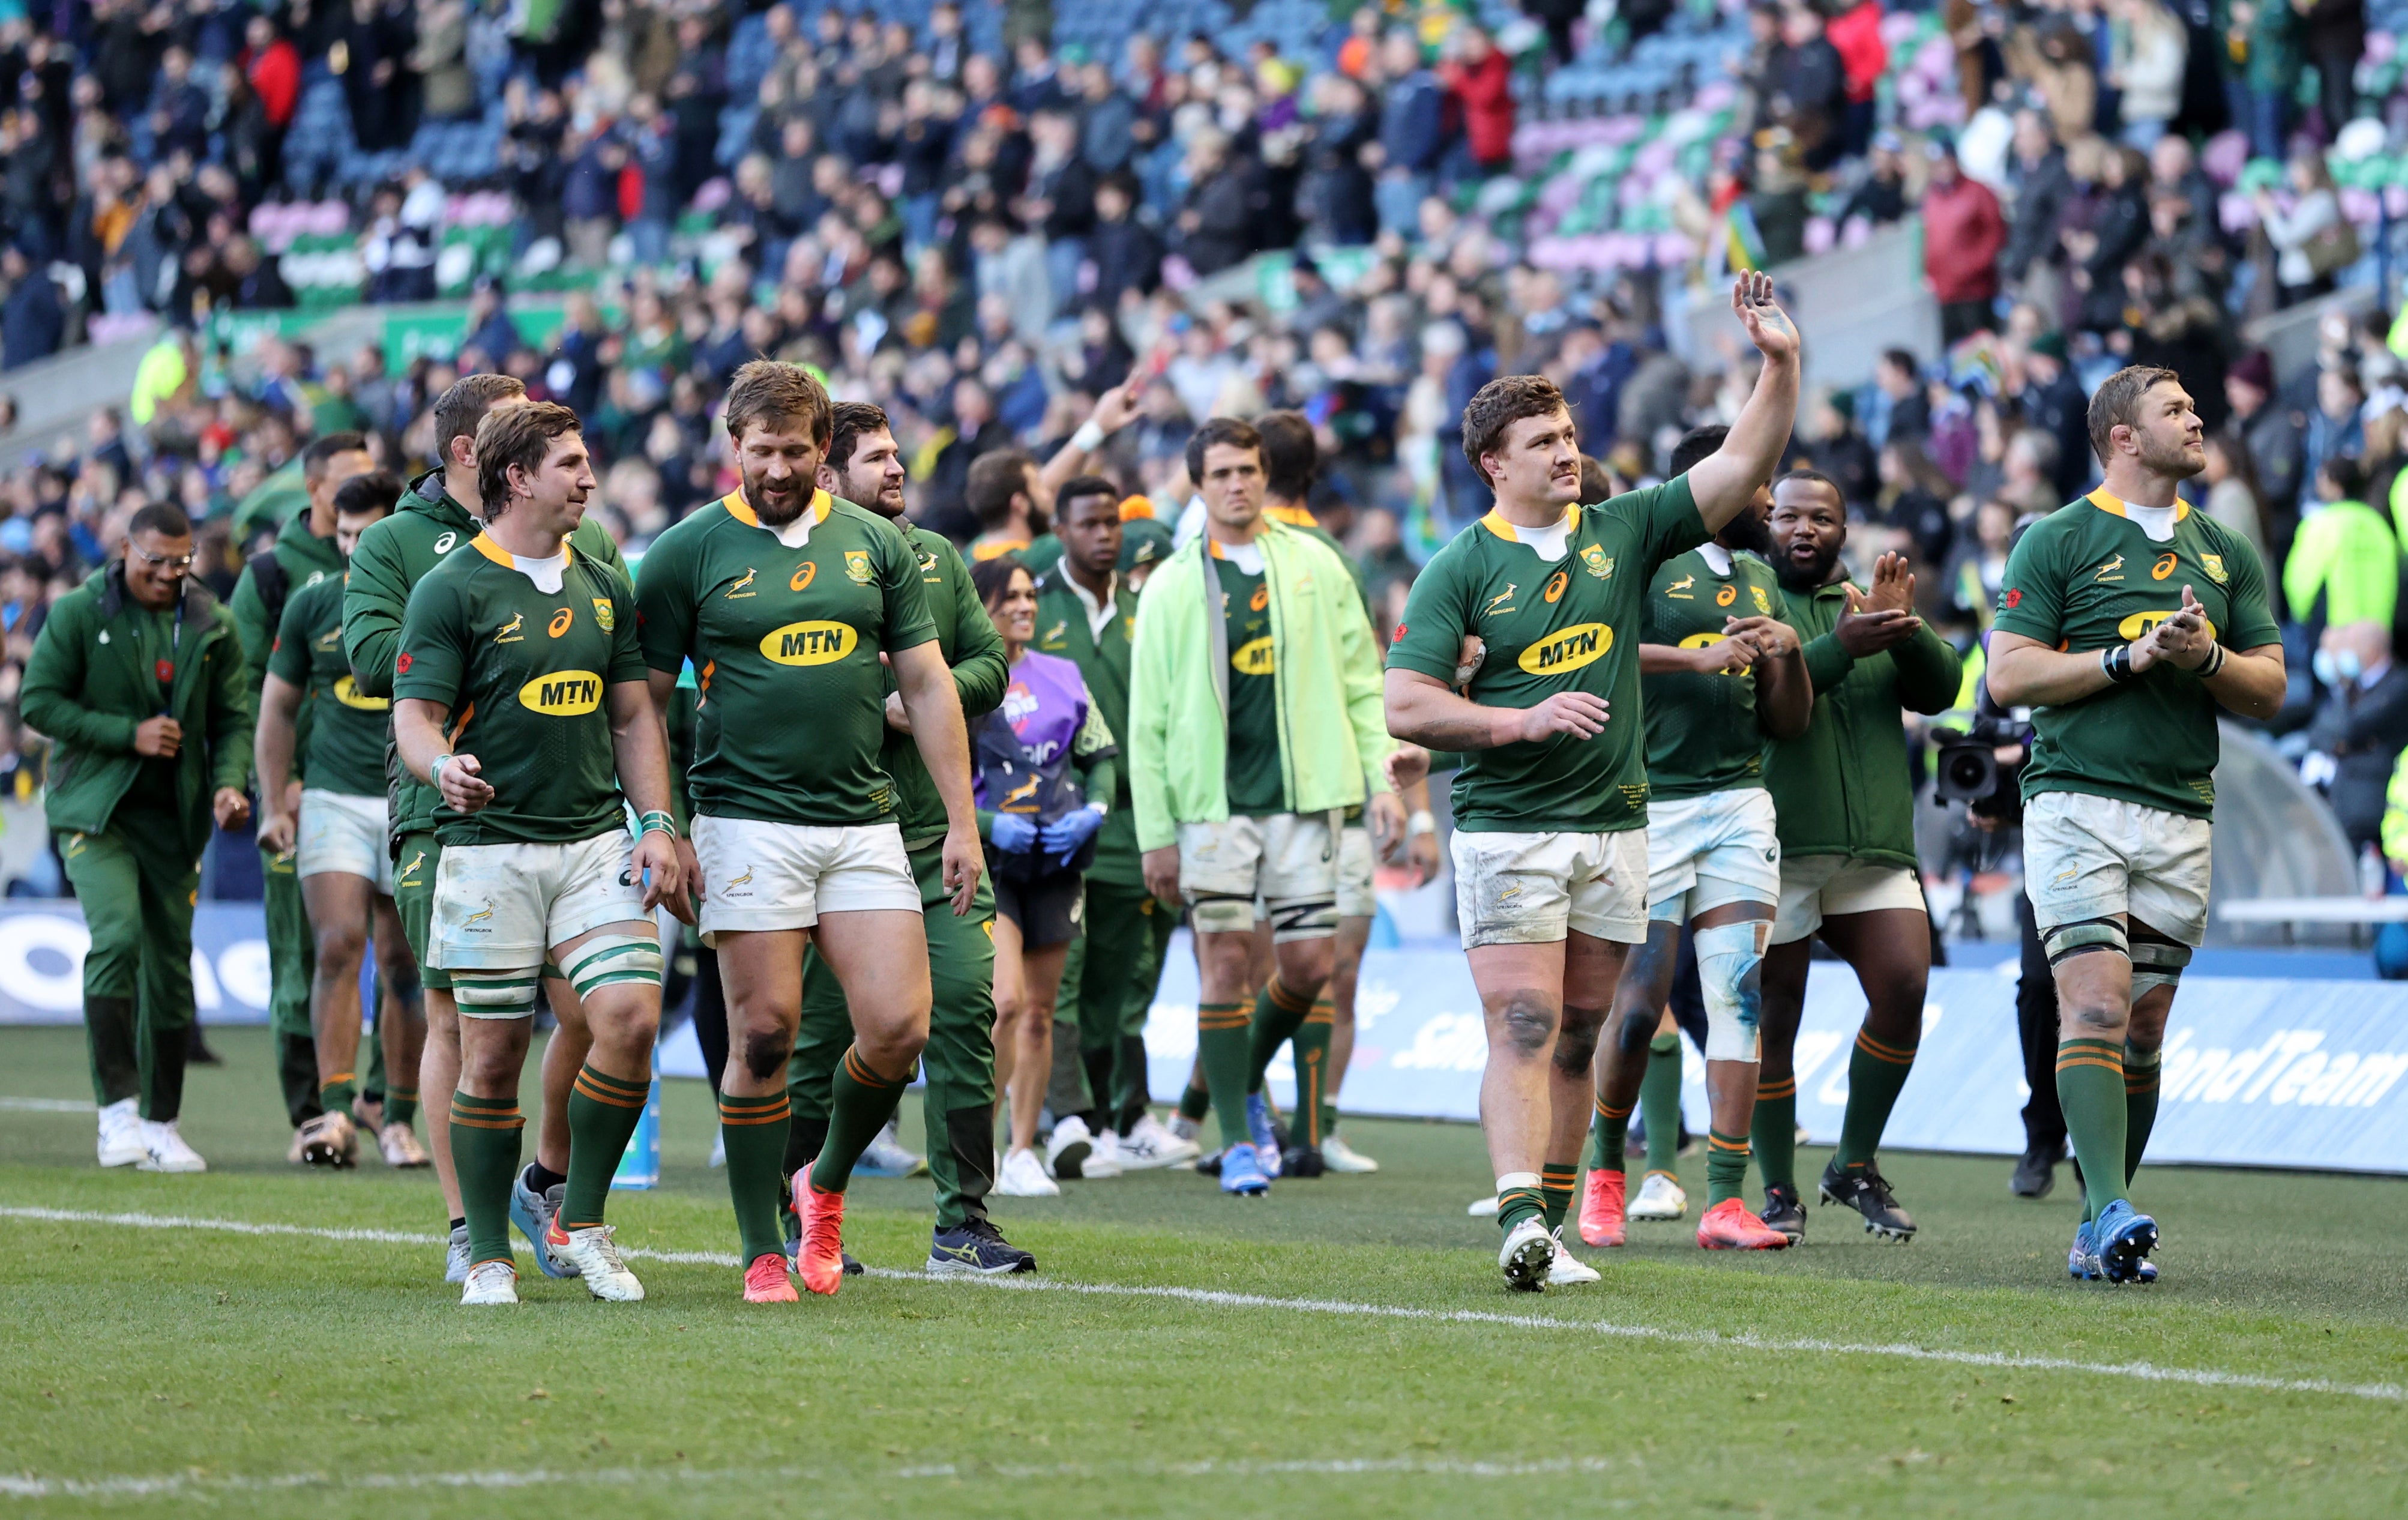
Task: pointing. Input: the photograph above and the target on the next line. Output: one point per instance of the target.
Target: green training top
(346, 727)
(526, 674)
(1253, 769)
(2085, 577)
(792, 716)
(1565, 624)
(1703, 734)
(967, 638)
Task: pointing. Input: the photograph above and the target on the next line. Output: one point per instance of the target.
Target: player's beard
(778, 510)
(1814, 577)
(1748, 531)
(2177, 462)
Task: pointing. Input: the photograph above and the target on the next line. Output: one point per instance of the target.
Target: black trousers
(2036, 1028)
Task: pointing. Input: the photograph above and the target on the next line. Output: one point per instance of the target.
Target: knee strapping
(1730, 958)
(2062, 942)
(485, 993)
(2157, 963)
(606, 958)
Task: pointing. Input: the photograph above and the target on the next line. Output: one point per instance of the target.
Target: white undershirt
(545, 573)
(1100, 614)
(795, 534)
(1717, 558)
(1246, 557)
(1548, 543)
(2156, 521)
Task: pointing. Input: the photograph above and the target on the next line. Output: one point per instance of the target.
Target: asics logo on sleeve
(443, 545)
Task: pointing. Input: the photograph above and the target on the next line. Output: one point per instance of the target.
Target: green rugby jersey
(2087, 577)
(1551, 625)
(1701, 730)
(967, 637)
(346, 727)
(526, 674)
(791, 714)
(1255, 788)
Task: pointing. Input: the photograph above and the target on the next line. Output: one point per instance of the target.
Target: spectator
(1412, 133)
(2345, 564)
(1809, 86)
(2037, 177)
(1856, 35)
(2051, 402)
(2274, 39)
(2269, 436)
(2232, 494)
(2360, 727)
(1223, 204)
(32, 320)
(2335, 41)
(1479, 81)
(2148, 53)
(1963, 234)
(1881, 199)
(2337, 428)
(2312, 241)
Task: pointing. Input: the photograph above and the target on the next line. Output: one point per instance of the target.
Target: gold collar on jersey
(1496, 524)
(740, 510)
(2107, 501)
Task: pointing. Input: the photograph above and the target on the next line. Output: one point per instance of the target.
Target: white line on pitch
(174, 1483)
(44, 1105)
(1745, 1340)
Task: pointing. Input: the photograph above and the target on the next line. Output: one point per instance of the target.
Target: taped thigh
(1220, 912)
(2157, 962)
(490, 993)
(1730, 957)
(606, 958)
(2063, 941)
(1303, 918)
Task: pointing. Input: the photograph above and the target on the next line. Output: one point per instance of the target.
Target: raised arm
(1726, 481)
(1114, 409)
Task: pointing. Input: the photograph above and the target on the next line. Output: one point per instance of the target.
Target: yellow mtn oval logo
(2141, 622)
(1699, 641)
(349, 694)
(1253, 658)
(563, 694)
(809, 643)
(1583, 644)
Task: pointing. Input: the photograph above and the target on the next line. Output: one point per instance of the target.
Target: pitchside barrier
(2259, 1071)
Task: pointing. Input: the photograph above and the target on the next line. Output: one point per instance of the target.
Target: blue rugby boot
(2121, 1239)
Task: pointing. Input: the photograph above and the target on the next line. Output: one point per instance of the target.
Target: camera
(1966, 767)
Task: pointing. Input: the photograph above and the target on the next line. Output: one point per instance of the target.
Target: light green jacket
(1333, 731)
(2346, 553)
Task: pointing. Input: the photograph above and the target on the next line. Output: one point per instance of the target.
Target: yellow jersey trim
(1496, 524)
(1295, 517)
(483, 544)
(2107, 501)
(740, 510)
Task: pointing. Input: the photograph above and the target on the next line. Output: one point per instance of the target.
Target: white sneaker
(164, 1150)
(1529, 1255)
(1188, 1129)
(1660, 1198)
(491, 1283)
(593, 1253)
(1568, 1271)
(121, 1134)
(400, 1147)
(1150, 1145)
(1070, 1148)
(1105, 1159)
(1024, 1177)
(1484, 1208)
(1340, 1157)
(719, 1149)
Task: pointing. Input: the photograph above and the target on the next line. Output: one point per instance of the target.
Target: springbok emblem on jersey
(739, 588)
(2111, 570)
(512, 632)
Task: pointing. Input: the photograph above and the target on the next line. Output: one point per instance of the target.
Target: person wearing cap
(1963, 234)
(1086, 611)
(1145, 543)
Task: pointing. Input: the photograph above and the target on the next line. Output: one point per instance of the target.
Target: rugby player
(793, 605)
(440, 515)
(2127, 619)
(338, 836)
(520, 695)
(1252, 649)
(1720, 677)
(1848, 868)
(1551, 867)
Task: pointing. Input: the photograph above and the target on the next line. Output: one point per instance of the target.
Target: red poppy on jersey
(2012, 598)
(1399, 634)
(402, 665)
(165, 670)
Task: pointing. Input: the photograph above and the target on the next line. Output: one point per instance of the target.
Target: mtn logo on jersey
(1704, 640)
(1254, 657)
(512, 631)
(563, 694)
(857, 565)
(1600, 562)
(2141, 622)
(1577, 646)
(348, 693)
(809, 643)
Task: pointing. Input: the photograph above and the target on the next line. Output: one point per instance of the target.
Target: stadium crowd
(987, 233)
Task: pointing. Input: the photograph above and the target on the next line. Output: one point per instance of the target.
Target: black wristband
(2214, 662)
(2116, 660)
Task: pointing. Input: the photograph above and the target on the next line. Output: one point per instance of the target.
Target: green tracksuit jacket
(1103, 660)
(392, 556)
(1842, 787)
(967, 638)
(92, 678)
(1333, 729)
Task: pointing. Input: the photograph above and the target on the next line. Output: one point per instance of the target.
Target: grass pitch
(1344, 1348)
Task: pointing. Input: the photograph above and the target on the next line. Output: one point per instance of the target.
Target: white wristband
(1419, 824)
(435, 771)
(1089, 438)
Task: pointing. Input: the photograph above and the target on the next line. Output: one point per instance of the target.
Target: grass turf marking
(177, 1482)
(1741, 1340)
(44, 1105)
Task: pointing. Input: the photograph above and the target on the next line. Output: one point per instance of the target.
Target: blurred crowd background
(991, 217)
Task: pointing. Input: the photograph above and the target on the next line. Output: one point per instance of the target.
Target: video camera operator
(1979, 765)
